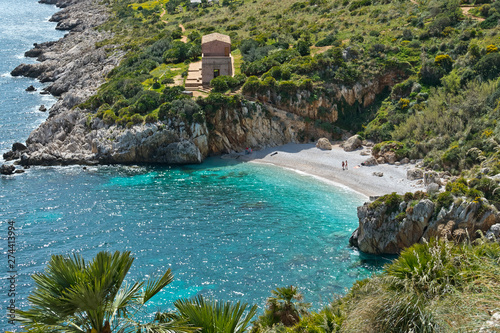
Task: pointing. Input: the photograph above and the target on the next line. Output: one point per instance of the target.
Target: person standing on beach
(343, 165)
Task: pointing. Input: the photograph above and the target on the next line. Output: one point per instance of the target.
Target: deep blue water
(229, 230)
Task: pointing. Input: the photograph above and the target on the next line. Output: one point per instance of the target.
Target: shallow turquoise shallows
(229, 230)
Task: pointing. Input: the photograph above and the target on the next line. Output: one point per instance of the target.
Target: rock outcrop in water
(387, 230)
(73, 65)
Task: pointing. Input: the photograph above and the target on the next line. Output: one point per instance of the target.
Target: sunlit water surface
(228, 230)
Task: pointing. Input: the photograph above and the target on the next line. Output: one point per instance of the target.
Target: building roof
(215, 37)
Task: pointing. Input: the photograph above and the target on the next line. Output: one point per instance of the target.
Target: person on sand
(343, 165)
(346, 164)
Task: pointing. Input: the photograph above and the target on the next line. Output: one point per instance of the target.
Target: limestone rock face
(353, 143)
(414, 174)
(66, 138)
(494, 232)
(324, 143)
(73, 64)
(390, 157)
(381, 231)
(235, 129)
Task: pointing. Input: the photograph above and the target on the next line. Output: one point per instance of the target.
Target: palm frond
(214, 316)
(154, 286)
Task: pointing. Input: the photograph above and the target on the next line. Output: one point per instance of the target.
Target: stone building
(216, 59)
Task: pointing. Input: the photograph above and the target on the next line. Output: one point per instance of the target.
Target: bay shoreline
(327, 165)
(306, 158)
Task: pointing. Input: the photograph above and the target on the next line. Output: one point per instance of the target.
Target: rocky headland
(392, 223)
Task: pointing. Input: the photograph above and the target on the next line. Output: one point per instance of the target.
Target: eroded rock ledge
(388, 228)
(73, 64)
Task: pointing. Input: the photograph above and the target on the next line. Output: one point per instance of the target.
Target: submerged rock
(30, 88)
(7, 169)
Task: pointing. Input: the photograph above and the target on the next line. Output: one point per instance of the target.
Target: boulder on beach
(431, 177)
(414, 174)
(324, 143)
(370, 161)
(353, 143)
(390, 157)
(432, 188)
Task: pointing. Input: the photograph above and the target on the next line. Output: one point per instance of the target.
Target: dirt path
(465, 11)
(184, 38)
(162, 14)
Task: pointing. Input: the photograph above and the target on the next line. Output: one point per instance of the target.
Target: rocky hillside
(136, 116)
(393, 223)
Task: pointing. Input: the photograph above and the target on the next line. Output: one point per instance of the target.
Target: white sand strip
(327, 164)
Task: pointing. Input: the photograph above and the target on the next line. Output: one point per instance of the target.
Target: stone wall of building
(210, 64)
(216, 48)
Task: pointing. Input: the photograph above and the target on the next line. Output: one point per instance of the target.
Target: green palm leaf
(153, 287)
(74, 296)
(215, 317)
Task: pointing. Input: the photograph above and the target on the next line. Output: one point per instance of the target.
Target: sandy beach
(327, 165)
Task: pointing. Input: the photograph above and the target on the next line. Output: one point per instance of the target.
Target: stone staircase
(193, 80)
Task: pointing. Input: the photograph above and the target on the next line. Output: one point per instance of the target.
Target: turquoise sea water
(229, 230)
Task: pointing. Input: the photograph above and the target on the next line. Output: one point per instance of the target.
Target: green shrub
(109, 117)
(136, 119)
(148, 101)
(359, 3)
(150, 118)
(219, 84)
(489, 66)
(444, 200)
(444, 61)
(330, 39)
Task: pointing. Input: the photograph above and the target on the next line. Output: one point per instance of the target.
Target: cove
(228, 230)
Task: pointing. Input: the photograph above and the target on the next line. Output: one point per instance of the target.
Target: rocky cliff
(334, 101)
(69, 137)
(76, 68)
(387, 226)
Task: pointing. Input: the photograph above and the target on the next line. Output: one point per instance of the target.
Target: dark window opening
(216, 72)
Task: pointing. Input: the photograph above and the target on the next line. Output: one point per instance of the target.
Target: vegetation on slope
(445, 108)
(432, 287)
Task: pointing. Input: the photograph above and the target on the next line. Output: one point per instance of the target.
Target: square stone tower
(216, 59)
